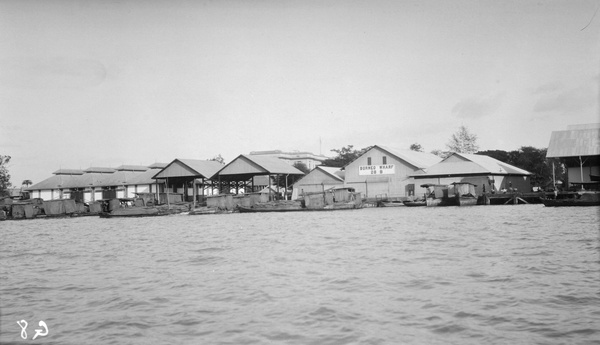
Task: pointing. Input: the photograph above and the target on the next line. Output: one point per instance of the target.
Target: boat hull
(568, 202)
(133, 212)
(585, 199)
(415, 203)
(243, 209)
(467, 201)
(433, 202)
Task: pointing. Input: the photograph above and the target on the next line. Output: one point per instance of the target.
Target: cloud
(49, 73)
(473, 108)
(566, 100)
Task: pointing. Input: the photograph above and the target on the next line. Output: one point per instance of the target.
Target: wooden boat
(132, 212)
(455, 194)
(582, 199)
(390, 204)
(465, 200)
(244, 209)
(430, 202)
(415, 203)
(464, 193)
(332, 207)
(202, 210)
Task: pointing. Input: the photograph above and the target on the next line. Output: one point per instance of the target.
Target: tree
(345, 156)
(440, 153)
(533, 160)
(25, 183)
(500, 155)
(302, 167)
(463, 141)
(218, 158)
(4, 175)
(416, 147)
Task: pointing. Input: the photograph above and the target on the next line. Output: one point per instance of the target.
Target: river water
(522, 274)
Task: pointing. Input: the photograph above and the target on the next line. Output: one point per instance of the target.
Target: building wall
(315, 181)
(370, 186)
(574, 173)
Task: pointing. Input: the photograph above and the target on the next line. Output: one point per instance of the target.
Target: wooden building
(96, 183)
(318, 180)
(579, 149)
(239, 175)
(187, 179)
(57, 186)
(383, 172)
(483, 171)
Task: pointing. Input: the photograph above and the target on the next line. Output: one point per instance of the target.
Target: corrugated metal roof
(249, 165)
(468, 164)
(189, 168)
(96, 179)
(574, 143)
(336, 173)
(206, 168)
(57, 182)
(273, 165)
(421, 160)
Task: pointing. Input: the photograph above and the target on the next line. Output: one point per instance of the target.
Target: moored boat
(579, 199)
(202, 210)
(244, 209)
(415, 203)
(132, 212)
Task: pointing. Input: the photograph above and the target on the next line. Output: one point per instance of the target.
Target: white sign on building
(386, 169)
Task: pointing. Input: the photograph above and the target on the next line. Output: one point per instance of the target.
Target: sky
(105, 83)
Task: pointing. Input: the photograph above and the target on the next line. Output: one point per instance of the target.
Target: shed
(579, 149)
(318, 180)
(239, 173)
(483, 171)
(181, 175)
(96, 183)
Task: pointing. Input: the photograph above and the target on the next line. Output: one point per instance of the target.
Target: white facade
(382, 172)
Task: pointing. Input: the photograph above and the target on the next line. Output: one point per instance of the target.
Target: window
(368, 160)
(384, 160)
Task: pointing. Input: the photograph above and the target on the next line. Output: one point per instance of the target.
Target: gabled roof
(188, 168)
(459, 164)
(336, 173)
(57, 181)
(420, 160)
(576, 142)
(246, 166)
(142, 178)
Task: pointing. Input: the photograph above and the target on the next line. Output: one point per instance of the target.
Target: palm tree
(27, 183)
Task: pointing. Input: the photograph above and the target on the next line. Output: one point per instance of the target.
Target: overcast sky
(106, 83)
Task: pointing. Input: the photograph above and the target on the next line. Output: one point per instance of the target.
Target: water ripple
(481, 275)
